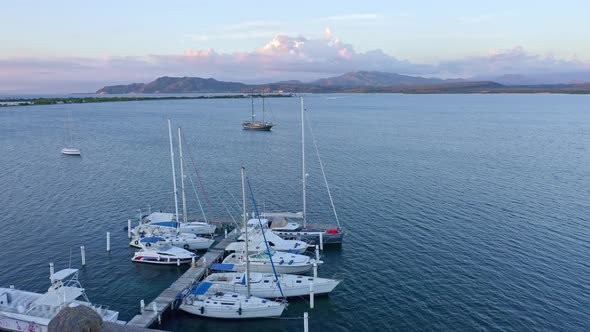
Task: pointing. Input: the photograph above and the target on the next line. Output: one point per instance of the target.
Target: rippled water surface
(464, 212)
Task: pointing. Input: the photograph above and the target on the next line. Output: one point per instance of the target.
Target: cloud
(281, 58)
(352, 17)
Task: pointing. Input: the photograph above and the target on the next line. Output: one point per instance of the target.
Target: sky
(63, 46)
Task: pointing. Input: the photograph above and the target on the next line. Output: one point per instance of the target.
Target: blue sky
(85, 45)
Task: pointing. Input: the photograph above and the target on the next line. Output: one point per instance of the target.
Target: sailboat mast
(262, 109)
(184, 213)
(252, 97)
(173, 170)
(303, 163)
(245, 217)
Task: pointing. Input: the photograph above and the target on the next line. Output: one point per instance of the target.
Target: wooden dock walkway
(168, 296)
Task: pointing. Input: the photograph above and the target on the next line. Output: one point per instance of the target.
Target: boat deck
(168, 296)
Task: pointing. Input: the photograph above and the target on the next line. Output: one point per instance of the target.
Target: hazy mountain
(177, 85)
(375, 79)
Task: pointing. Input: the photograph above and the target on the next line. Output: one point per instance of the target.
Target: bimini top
(222, 267)
(153, 239)
(201, 288)
(164, 224)
(62, 274)
(160, 216)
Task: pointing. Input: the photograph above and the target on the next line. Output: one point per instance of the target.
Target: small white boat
(164, 254)
(70, 151)
(258, 235)
(206, 302)
(28, 311)
(265, 284)
(261, 262)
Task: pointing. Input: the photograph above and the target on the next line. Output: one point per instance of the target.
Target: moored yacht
(261, 262)
(164, 254)
(28, 311)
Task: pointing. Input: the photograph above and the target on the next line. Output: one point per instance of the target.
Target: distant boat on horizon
(70, 150)
(257, 125)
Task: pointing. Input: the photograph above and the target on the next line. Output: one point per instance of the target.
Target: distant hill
(177, 85)
(354, 82)
(374, 79)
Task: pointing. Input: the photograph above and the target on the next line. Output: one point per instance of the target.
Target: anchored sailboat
(69, 149)
(252, 124)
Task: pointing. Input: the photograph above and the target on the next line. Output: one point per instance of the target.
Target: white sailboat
(261, 262)
(70, 149)
(282, 223)
(265, 284)
(204, 301)
(257, 236)
(153, 235)
(163, 219)
(28, 311)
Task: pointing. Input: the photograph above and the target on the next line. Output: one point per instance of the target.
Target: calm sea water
(464, 212)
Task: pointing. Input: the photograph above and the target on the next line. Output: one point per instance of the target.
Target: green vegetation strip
(80, 100)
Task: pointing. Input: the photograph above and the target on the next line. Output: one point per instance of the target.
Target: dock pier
(164, 301)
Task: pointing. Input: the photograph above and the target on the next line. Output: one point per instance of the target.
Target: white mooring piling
(322, 241)
(128, 228)
(315, 270)
(141, 306)
(205, 266)
(305, 322)
(311, 296)
(193, 264)
(225, 233)
(317, 253)
(178, 261)
(154, 306)
(109, 241)
(51, 271)
(83, 254)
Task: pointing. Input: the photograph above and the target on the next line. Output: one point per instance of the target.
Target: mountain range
(359, 82)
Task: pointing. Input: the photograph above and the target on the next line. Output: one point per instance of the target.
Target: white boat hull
(16, 322)
(231, 312)
(70, 152)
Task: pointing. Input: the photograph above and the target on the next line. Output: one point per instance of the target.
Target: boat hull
(9, 322)
(257, 126)
(231, 312)
(272, 291)
(327, 238)
(70, 152)
(155, 260)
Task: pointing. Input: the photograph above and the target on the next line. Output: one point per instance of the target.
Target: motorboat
(265, 284)
(162, 219)
(261, 262)
(258, 233)
(284, 225)
(71, 151)
(154, 235)
(204, 300)
(27, 311)
(165, 254)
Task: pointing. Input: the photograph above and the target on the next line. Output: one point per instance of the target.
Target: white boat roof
(255, 222)
(63, 295)
(298, 215)
(62, 274)
(160, 216)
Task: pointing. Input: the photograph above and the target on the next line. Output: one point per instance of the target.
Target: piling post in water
(225, 233)
(108, 241)
(193, 264)
(317, 253)
(128, 228)
(315, 270)
(205, 266)
(154, 307)
(141, 306)
(322, 241)
(305, 322)
(51, 271)
(311, 296)
(83, 253)
(178, 261)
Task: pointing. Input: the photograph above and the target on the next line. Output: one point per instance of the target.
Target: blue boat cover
(202, 288)
(222, 267)
(165, 223)
(153, 239)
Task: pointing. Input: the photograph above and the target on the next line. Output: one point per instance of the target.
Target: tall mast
(252, 106)
(173, 170)
(184, 214)
(303, 163)
(245, 217)
(262, 109)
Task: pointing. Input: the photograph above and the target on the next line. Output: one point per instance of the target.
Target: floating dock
(163, 301)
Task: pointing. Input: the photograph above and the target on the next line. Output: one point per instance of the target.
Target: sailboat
(282, 223)
(257, 125)
(204, 300)
(162, 219)
(69, 149)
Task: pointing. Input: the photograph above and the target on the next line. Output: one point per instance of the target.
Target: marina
(452, 215)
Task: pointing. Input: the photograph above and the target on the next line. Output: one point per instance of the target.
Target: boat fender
(136, 242)
(186, 247)
(148, 244)
(202, 310)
